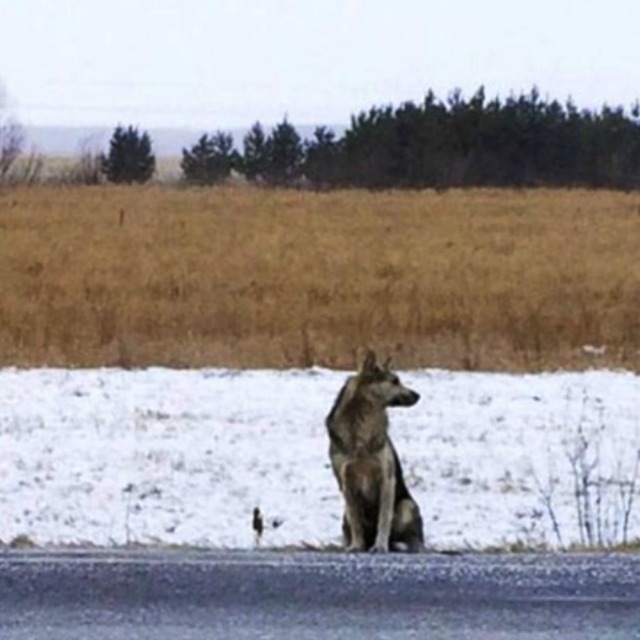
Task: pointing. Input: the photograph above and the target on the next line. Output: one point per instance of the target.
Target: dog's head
(383, 385)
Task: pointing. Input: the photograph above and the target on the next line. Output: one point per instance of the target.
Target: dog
(380, 514)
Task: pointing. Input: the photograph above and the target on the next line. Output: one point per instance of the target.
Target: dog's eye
(395, 380)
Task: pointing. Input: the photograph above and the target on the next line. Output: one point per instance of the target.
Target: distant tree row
(520, 141)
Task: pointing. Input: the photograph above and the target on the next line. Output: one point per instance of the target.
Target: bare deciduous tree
(13, 168)
(11, 140)
(87, 169)
(604, 478)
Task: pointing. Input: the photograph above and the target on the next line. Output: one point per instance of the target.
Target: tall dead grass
(479, 279)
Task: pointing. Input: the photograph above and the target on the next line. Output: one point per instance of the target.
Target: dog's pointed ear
(387, 364)
(369, 363)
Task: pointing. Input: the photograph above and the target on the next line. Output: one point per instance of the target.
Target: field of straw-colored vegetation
(475, 279)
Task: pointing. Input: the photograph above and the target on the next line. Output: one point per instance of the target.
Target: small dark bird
(258, 524)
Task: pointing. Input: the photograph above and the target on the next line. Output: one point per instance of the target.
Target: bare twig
(628, 497)
(545, 492)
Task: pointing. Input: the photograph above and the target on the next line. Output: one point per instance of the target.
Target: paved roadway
(177, 595)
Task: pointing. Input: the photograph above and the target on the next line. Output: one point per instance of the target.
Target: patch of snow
(161, 456)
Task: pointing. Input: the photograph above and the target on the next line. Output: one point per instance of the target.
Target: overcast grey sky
(224, 63)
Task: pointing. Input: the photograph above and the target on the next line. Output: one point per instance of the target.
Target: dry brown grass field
(473, 279)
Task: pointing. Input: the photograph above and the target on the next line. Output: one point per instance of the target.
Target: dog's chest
(368, 439)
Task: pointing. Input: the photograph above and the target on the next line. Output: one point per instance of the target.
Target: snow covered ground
(159, 456)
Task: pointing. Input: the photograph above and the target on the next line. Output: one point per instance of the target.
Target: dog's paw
(379, 547)
(354, 548)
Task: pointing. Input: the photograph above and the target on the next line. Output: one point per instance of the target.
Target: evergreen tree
(323, 159)
(210, 160)
(130, 157)
(285, 155)
(254, 160)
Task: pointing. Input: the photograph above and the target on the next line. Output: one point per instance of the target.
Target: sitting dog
(380, 513)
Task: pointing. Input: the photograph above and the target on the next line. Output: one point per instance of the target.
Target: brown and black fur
(380, 513)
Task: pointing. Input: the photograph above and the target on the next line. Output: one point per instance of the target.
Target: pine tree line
(521, 141)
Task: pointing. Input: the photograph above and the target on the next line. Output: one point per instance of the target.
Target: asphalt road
(151, 595)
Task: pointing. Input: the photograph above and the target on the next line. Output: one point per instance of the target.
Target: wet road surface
(167, 595)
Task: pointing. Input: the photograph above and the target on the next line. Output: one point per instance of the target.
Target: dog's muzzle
(407, 399)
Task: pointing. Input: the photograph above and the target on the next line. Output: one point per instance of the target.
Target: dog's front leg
(352, 509)
(385, 515)
(355, 524)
